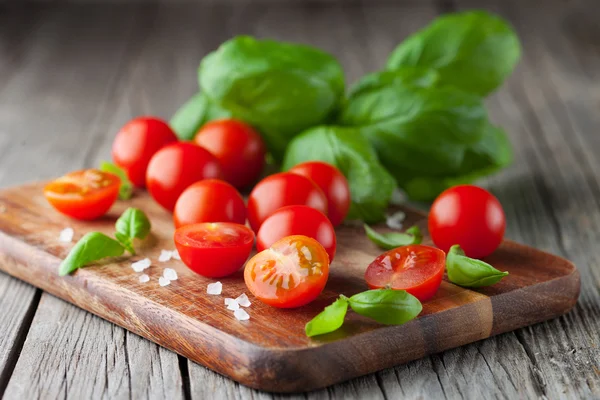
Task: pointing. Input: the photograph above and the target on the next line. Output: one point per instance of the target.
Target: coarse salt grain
(66, 235)
(144, 278)
(175, 255)
(394, 221)
(170, 274)
(398, 198)
(165, 255)
(241, 315)
(231, 304)
(214, 288)
(162, 281)
(141, 265)
(243, 300)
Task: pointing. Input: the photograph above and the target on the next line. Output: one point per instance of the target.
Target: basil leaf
(126, 188)
(329, 320)
(371, 186)
(391, 240)
(386, 306)
(473, 50)
(197, 111)
(469, 272)
(92, 247)
(421, 77)
(133, 223)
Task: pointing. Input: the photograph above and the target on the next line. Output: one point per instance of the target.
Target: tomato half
(417, 268)
(86, 194)
(289, 274)
(136, 143)
(175, 167)
(334, 185)
(469, 216)
(280, 190)
(297, 220)
(237, 146)
(212, 249)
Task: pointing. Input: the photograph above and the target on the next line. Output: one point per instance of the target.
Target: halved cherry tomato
(175, 167)
(297, 220)
(237, 146)
(280, 190)
(214, 249)
(209, 200)
(291, 273)
(334, 185)
(417, 268)
(86, 194)
(136, 143)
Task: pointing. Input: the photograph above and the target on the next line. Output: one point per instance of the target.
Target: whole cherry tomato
(136, 143)
(469, 216)
(237, 146)
(175, 167)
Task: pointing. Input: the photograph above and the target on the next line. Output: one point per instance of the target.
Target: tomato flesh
(86, 194)
(289, 274)
(418, 269)
(212, 249)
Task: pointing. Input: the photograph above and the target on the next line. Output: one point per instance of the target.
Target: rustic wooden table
(70, 76)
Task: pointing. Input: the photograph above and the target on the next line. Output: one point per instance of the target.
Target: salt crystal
(144, 278)
(394, 221)
(241, 315)
(162, 281)
(165, 255)
(231, 304)
(170, 274)
(398, 198)
(243, 300)
(214, 288)
(175, 255)
(141, 265)
(66, 235)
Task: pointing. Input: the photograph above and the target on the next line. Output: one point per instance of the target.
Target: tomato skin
(469, 216)
(280, 190)
(417, 268)
(85, 194)
(209, 200)
(297, 220)
(175, 167)
(334, 185)
(283, 276)
(214, 250)
(237, 146)
(137, 142)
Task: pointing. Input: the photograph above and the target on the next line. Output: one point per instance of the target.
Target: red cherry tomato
(175, 167)
(86, 194)
(297, 220)
(291, 273)
(210, 200)
(280, 190)
(136, 143)
(418, 269)
(334, 185)
(214, 249)
(237, 146)
(469, 216)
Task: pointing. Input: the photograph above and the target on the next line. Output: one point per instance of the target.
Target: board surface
(270, 351)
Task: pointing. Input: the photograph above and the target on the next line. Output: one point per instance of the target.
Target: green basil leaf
(416, 76)
(371, 186)
(92, 247)
(197, 111)
(469, 272)
(386, 306)
(126, 188)
(329, 320)
(132, 224)
(473, 50)
(280, 88)
(391, 240)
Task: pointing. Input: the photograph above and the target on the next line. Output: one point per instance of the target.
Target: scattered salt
(214, 288)
(162, 281)
(394, 221)
(241, 315)
(66, 235)
(175, 255)
(231, 304)
(141, 265)
(243, 300)
(398, 198)
(165, 255)
(144, 278)
(170, 274)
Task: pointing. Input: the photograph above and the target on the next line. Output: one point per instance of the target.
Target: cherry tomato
(418, 269)
(209, 200)
(86, 194)
(334, 185)
(214, 249)
(280, 190)
(237, 146)
(136, 143)
(175, 167)
(297, 220)
(469, 216)
(291, 273)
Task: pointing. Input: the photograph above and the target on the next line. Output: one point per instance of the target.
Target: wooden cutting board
(270, 351)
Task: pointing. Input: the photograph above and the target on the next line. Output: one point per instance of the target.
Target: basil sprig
(469, 272)
(132, 224)
(126, 188)
(389, 241)
(386, 306)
